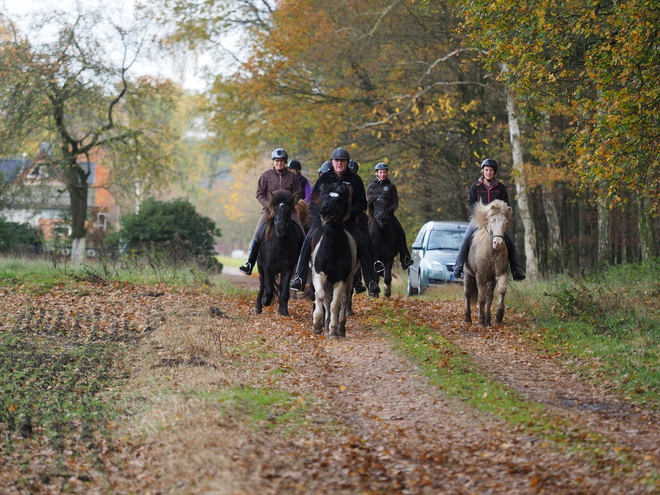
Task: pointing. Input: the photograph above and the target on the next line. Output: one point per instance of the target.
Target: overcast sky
(182, 71)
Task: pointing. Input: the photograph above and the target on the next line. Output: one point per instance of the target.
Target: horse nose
(498, 243)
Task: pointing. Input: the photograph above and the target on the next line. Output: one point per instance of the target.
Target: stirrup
(360, 287)
(246, 268)
(296, 283)
(379, 267)
(519, 275)
(374, 290)
(458, 271)
(407, 262)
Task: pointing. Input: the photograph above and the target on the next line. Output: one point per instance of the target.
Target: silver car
(434, 254)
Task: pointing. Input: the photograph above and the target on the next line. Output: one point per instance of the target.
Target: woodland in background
(563, 94)
(424, 86)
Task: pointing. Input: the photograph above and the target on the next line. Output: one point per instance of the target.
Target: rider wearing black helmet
(486, 190)
(382, 186)
(304, 183)
(274, 179)
(339, 173)
(353, 166)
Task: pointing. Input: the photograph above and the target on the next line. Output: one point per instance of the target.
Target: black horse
(385, 237)
(334, 262)
(278, 253)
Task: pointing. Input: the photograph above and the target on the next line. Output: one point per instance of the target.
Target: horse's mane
(281, 196)
(484, 212)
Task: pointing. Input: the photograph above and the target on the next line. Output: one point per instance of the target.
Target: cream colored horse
(487, 263)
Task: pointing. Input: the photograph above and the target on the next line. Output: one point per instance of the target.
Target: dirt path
(378, 427)
(361, 419)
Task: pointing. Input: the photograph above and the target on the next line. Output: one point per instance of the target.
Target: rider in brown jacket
(272, 180)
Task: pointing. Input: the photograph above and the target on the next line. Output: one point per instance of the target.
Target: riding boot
(464, 250)
(516, 270)
(302, 268)
(253, 252)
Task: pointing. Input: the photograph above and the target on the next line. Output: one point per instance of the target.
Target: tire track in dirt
(425, 443)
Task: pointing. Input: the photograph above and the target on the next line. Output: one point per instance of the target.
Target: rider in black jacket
(340, 173)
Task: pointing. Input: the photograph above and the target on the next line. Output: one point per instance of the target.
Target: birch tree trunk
(604, 231)
(647, 242)
(532, 265)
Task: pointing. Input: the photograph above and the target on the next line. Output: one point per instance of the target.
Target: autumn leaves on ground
(123, 388)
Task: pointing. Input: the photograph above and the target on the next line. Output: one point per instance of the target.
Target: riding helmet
(294, 164)
(489, 162)
(382, 166)
(340, 154)
(279, 153)
(353, 166)
(325, 167)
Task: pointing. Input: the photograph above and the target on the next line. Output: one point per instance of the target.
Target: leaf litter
(364, 418)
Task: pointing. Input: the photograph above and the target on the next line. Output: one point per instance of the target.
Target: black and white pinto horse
(385, 237)
(278, 253)
(334, 262)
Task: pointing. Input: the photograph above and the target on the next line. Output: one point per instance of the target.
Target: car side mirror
(417, 245)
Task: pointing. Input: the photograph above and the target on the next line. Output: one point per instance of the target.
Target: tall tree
(75, 93)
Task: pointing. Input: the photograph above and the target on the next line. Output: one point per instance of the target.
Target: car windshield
(445, 239)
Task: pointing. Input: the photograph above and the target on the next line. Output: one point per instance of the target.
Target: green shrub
(19, 237)
(170, 227)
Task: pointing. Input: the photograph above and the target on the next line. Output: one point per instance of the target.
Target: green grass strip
(455, 372)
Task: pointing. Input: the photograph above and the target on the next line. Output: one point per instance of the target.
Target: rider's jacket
(271, 181)
(387, 190)
(486, 194)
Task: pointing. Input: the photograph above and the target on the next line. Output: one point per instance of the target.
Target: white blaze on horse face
(497, 230)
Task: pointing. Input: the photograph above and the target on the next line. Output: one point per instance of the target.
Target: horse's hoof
(284, 313)
(257, 311)
(387, 293)
(350, 312)
(317, 331)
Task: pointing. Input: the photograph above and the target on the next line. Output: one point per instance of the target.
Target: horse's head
(379, 209)
(335, 203)
(281, 206)
(498, 215)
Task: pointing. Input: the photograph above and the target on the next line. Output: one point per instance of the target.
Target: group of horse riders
(341, 169)
(282, 177)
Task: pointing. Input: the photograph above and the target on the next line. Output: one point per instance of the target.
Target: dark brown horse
(384, 236)
(278, 253)
(487, 262)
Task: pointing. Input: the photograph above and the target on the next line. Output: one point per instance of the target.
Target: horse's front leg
(490, 289)
(319, 296)
(468, 290)
(335, 309)
(269, 283)
(285, 279)
(258, 306)
(482, 290)
(387, 278)
(501, 292)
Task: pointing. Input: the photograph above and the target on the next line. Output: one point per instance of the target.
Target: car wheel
(410, 291)
(420, 289)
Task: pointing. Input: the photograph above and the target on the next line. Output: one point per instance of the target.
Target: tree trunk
(647, 241)
(604, 231)
(78, 189)
(532, 266)
(556, 258)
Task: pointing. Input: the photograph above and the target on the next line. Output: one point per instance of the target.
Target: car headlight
(435, 265)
